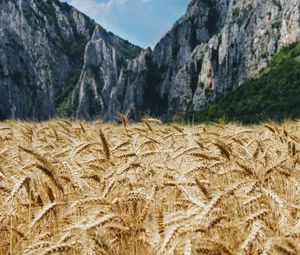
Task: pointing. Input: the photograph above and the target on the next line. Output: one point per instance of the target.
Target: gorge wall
(55, 61)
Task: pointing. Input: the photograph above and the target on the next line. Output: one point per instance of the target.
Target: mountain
(272, 95)
(42, 51)
(56, 61)
(212, 49)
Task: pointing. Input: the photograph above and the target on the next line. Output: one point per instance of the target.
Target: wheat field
(148, 188)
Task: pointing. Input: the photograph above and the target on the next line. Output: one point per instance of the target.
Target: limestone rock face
(50, 39)
(105, 56)
(212, 49)
(69, 66)
(18, 81)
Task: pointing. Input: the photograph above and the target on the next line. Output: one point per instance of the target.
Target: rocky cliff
(42, 51)
(56, 61)
(212, 49)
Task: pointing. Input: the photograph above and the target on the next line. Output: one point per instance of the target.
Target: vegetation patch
(236, 12)
(63, 102)
(273, 94)
(47, 8)
(63, 6)
(277, 25)
(74, 48)
(129, 52)
(278, 4)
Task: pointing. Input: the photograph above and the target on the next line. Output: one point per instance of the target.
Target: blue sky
(142, 22)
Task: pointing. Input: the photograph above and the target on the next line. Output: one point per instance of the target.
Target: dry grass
(93, 188)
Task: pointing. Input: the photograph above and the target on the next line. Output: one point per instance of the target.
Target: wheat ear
(105, 145)
(43, 213)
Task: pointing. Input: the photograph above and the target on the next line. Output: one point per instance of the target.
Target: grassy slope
(273, 95)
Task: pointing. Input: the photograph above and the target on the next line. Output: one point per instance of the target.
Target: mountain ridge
(54, 36)
(215, 47)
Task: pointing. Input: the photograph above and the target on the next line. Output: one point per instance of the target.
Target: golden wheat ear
(105, 145)
(43, 213)
(18, 185)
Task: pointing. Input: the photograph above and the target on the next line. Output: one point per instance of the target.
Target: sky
(142, 22)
